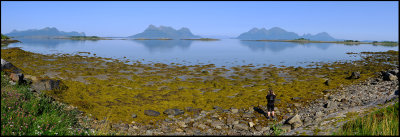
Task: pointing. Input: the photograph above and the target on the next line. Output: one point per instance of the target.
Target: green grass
(381, 122)
(24, 113)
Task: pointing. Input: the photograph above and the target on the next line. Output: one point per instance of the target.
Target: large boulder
(9, 68)
(151, 113)
(173, 112)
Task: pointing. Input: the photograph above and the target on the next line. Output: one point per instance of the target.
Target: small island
(203, 39)
(83, 38)
(5, 40)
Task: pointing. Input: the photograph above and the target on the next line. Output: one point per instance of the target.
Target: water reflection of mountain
(48, 43)
(165, 45)
(280, 46)
(273, 46)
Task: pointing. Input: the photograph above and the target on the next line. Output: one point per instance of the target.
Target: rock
(394, 72)
(47, 84)
(307, 120)
(133, 115)
(235, 122)
(151, 113)
(355, 75)
(217, 124)
(296, 98)
(173, 112)
(296, 125)
(9, 68)
(327, 82)
(251, 124)
(248, 115)
(17, 77)
(297, 104)
(217, 108)
(327, 91)
(234, 110)
(241, 127)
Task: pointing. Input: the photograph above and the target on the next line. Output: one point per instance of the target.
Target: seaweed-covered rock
(151, 113)
(9, 68)
(389, 76)
(355, 75)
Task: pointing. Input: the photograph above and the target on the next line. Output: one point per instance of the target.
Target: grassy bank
(381, 122)
(24, 113)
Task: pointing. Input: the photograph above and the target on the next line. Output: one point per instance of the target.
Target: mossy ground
(112, 88)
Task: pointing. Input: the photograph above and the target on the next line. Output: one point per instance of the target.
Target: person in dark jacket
(270, 106)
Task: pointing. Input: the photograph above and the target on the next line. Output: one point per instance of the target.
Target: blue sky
(359, 20)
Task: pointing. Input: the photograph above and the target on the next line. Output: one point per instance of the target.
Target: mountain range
(277, 33)
(153, 32)
(45, 32)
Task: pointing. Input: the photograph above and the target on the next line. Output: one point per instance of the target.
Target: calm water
(226, 52)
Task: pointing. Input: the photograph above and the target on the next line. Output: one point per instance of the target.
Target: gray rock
(248, 115)
(294, 119)
(355, 75)
(8, 67)
(241, 127)
(389, 77)
(318, 114)
(151, 113)
(133, 115)
(286, 127)
(217, 124)
(327, 82)
(202, 126)
(251, 124)
(173, 112)
(394, 72)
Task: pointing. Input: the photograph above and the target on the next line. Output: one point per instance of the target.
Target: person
(270, 106)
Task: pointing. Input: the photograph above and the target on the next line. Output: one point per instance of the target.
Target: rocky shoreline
(8, 41)
(321, 117)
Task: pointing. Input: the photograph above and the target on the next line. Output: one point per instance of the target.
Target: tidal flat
(113, 89)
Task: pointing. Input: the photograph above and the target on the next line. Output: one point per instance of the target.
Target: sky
(357, 20)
